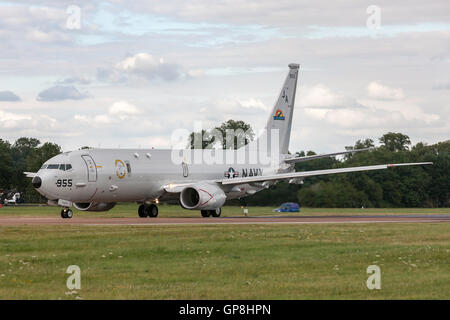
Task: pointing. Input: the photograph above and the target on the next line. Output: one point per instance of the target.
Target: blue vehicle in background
(288, 207)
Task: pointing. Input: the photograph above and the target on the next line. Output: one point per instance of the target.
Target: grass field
(323, 261)
(123, 210)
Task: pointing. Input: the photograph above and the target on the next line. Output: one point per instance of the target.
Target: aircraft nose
(36, 182)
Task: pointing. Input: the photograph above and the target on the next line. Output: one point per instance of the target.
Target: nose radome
(36, 182)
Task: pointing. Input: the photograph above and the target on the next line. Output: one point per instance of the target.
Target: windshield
(63, 167)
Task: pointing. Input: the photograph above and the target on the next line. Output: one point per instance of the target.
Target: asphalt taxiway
(14, 221)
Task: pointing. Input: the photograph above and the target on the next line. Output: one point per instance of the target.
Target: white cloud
(194, 73)
(123, 108)
(20, 124)
(117, 112)
(320, 96)
(253, 103)
(377, 90)
(94, 120)
(11, 120)
(140, 63)
(150, 67)
(45, 37)
(58, 93)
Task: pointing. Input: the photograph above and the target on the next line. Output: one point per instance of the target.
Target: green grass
(226, 261)
(130, 210)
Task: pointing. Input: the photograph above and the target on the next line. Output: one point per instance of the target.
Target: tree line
(24, 155)
(417, 186)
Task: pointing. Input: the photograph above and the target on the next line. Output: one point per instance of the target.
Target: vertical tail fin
(281, 116)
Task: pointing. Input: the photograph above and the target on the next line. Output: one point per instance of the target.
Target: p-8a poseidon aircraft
(96, 179)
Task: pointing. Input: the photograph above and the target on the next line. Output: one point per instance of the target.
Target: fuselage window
(53, 166)
(128, 166)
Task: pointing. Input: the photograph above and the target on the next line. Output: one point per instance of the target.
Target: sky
(128, 73)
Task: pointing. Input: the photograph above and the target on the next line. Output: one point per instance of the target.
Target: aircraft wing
(176, 187)
(326, 155)
(283, 176)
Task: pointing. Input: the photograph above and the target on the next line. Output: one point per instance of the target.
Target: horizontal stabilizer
(30, 174)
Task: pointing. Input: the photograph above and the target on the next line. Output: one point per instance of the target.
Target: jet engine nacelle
(94, 206)
(202, 196)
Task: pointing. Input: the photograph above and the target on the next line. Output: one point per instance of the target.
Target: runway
(16, 221)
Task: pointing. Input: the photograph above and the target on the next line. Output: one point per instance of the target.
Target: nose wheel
(66, 213)
(148, 211)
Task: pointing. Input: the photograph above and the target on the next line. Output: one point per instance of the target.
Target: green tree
(395, 141)
(6, 164)
(242, 134)
(203, 138)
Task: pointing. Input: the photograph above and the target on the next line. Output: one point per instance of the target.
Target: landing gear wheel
(66, 213)
(205, 213)
(142, 212)
(152, 211)
(216, 213)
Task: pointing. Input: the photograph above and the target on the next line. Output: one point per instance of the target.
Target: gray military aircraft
(96, 179)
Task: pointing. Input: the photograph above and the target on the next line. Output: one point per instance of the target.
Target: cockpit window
(63, 167)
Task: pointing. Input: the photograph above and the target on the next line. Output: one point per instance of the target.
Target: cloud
(253, 103)
(376, 90)
(46, 37)
(289, 12)
(74, 80)
(23, 124)
(8, 96)
(58, 93)
(123, 109)
(117, 112)
(320, 96)
(145, 66)
(442, 86)
(93, 120)
(234, 51)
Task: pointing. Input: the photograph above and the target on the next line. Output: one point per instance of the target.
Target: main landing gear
(148, 211)
(66, 213)
(211, 213)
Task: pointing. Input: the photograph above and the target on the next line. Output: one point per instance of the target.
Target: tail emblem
(279, 115)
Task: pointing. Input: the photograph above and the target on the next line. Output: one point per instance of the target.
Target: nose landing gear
(66, 213)
(148, 211)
